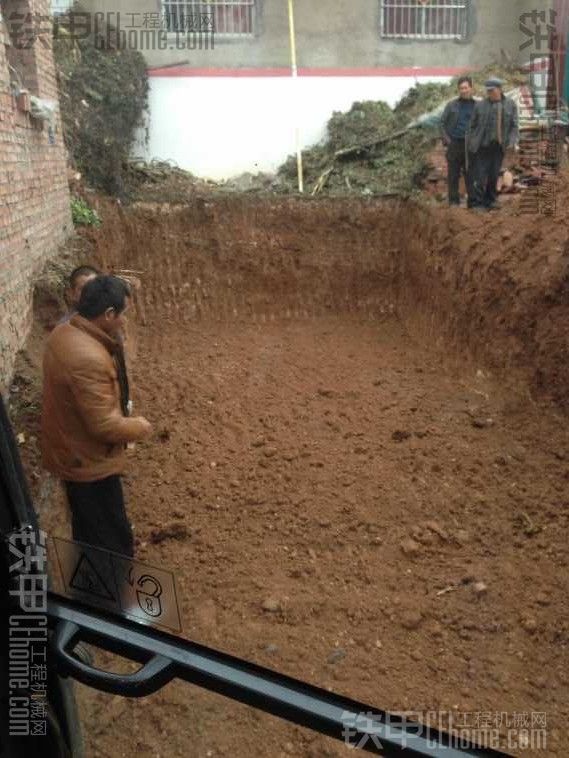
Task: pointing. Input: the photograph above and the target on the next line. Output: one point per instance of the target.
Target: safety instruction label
(116, 583)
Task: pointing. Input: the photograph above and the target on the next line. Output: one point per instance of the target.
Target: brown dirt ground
(357, 406)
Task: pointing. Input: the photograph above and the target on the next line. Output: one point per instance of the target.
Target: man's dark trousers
(457, 165)
(486, 171)
(98, 515)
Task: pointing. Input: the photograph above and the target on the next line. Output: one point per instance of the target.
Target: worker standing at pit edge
(493, 130)
(455, 122)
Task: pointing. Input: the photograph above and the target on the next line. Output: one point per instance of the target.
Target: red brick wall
(34, 197)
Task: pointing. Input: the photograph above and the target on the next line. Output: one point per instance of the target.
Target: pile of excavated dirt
(164, 182)
(359, 468)
(395, 166)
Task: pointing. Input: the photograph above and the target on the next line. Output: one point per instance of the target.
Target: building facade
(34, 196)
(222, 96)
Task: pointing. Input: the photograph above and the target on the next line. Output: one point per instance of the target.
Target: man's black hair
(101, 293)
(463, 79)
(80, 271)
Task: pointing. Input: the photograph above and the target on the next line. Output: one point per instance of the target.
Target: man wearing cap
(493, 130)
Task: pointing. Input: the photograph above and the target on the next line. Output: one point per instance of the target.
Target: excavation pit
(359, 474)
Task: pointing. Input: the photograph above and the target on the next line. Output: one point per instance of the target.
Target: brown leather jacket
(84, 431)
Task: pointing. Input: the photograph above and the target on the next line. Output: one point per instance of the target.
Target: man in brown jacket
(85, 422)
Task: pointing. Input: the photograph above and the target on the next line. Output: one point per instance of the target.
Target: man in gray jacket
(493, 130)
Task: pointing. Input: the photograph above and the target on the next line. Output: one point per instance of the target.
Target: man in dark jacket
(454, 128)
(493, 130)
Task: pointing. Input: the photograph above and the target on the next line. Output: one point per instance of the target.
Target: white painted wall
(220, 127)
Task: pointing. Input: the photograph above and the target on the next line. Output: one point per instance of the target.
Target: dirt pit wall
(491, 287)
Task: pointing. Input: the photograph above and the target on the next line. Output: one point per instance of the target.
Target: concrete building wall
(34, 196)
(331, 33)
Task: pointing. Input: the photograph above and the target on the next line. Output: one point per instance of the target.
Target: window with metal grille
(424, 19)
(229, 18)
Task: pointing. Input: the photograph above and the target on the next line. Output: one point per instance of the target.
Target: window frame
(217, 35)
(463, 22)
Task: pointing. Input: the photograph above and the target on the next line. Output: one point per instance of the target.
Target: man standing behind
(85, 423)
(454, 126)
(78, 278)
(493, 130)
